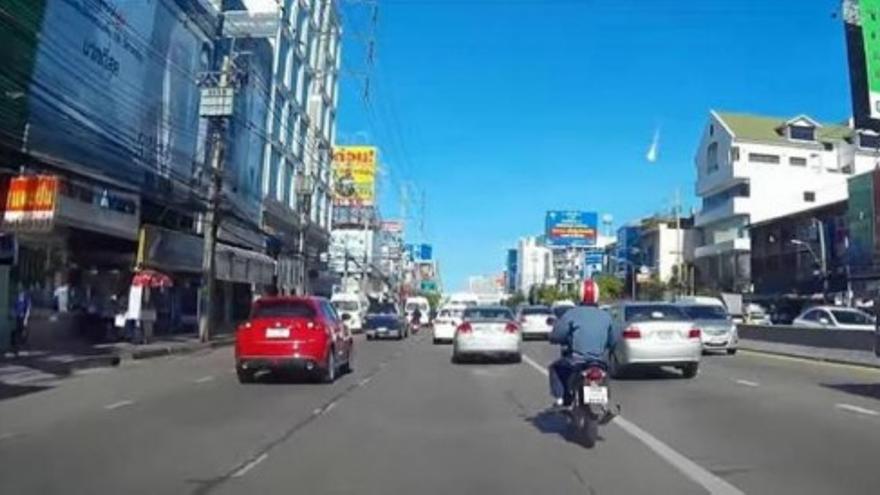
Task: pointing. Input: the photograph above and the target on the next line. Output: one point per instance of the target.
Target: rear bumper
(496, 345)
(444, 332)
(531, 331)
(297, 363)
(686, 352)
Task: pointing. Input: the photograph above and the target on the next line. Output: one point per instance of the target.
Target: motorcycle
(590, 404)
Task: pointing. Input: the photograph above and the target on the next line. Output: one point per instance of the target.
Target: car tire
(348, 367)
(245, 376)
(690, 370)
(456, 359)
(516, 358)
(329, 375)
(369, 337)
(731, 352)
(615, 370)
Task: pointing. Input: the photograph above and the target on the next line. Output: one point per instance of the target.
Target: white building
(753, 168)
(667, 248)
(302, 92)
(535, 265)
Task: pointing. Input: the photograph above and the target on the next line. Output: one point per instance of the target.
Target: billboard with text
(354, 175)
(571, 228)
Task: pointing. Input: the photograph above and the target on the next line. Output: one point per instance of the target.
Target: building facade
(753, 168)
(535, 265)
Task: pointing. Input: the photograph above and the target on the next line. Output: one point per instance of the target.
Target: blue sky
(501, 110)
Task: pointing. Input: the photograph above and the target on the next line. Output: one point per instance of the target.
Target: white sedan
(487, 331)
(445, 324)
(835, 317)
(536, 321)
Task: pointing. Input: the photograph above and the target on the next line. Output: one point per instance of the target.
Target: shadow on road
(554, 423)
(871, 390)
(8, 391)
(647, 374)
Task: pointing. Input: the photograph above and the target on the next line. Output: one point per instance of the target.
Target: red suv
(293, 333)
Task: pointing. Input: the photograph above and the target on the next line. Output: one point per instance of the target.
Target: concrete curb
(808, 357)
(177, 349)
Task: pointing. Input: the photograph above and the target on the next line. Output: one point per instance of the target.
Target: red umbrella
(151, 278)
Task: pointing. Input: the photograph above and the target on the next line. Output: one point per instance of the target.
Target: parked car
(717, 330)
(835, 317)
(353, 305)
(448, 319)
(384, 326)
(654, 334)
(302, 334)
(487, 331)
(536, 321)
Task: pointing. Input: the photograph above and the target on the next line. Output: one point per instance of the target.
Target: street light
(823, 267)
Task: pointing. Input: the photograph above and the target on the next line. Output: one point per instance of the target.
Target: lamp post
(820, 261)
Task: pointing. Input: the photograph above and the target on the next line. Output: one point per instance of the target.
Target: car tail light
(511, 328)
(244, 326)
(465, 328)
(594, 374)
(632, 333)
(694, 333)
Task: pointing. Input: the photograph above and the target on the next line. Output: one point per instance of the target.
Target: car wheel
(348, 367)
(516, 358)
(369, 337)
(690, 370)
(615, 370)
(456, 358)
(731, 352)
(245, 376)
(330, 371)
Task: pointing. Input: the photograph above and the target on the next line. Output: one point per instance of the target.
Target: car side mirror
(346, 317)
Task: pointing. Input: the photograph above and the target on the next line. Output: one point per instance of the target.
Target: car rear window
(488, 314)
(446, 313)
(654, 312)
(283, 309)
(536, 311)
(706, 312)
(381, 321)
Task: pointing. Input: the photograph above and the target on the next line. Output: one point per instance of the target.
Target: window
(802, 133)
(711, 129)
(734, 153)
(487, 314)
(712, 157)
(763, 158)
(809, 196)
(871, 141)
(536, 310)
(797, 161)
(283, 309)
(847, 317)
(828, 146)
(706, 312)
(654, 312)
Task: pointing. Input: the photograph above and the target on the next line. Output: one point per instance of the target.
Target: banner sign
(571, 228)
(31, 202)
(354, 175)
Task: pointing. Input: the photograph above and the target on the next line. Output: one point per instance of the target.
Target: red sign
(31, 200)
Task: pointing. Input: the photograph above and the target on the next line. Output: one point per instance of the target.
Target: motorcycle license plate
(596, 395)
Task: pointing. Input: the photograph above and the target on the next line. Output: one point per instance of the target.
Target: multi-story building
(535, 265)
(302, 94)
(753, 168)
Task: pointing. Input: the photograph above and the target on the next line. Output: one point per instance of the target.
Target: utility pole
(216, 105)
(823, 263)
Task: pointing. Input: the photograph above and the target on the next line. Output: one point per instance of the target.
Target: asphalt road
(409, 421)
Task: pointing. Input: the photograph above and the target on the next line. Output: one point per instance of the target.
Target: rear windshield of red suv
(283, 309)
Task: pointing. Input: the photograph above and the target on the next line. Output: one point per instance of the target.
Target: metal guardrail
(857, 340)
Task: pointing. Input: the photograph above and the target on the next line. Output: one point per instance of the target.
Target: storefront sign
(30, 203)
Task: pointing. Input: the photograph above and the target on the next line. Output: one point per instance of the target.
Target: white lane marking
(247, 467)
(330, 406)
(697, 474)
(7, 436)
(748, 383)
(317, 411)
(689, 468)
(117, 405)
(205, 379)
(365, 381)
(857, 409)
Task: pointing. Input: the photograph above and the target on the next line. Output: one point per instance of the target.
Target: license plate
(382, 330)
(277, 333)
(666, 334)
(596, 395)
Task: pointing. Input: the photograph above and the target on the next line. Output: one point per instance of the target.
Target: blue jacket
(586, 330)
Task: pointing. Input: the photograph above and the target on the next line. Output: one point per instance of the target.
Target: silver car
(487, 331)
(654, 334)
(718, 331)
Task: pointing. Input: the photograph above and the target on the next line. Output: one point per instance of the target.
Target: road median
(852, 347)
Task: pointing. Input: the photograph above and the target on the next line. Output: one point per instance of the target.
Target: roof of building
(763, 128)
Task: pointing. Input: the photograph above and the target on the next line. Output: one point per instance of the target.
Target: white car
(536, 321)
(487, 331)
(353, 305)
(835, 317)
(448, 319)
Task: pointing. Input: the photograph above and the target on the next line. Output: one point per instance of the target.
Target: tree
(610, 287)
(515, 300)
(653, 290)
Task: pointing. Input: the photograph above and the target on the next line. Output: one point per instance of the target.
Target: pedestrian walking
(21, 309)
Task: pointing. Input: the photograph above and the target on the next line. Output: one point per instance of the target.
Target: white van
(353, 305)
(417, 302)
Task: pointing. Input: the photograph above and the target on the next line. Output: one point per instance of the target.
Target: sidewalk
(840, 356)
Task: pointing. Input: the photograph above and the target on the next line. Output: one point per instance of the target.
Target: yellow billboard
(354, 175)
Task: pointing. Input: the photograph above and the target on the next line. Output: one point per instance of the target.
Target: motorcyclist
(585, 334)
(417, 317)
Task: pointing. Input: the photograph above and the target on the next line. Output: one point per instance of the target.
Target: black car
(383, 326)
